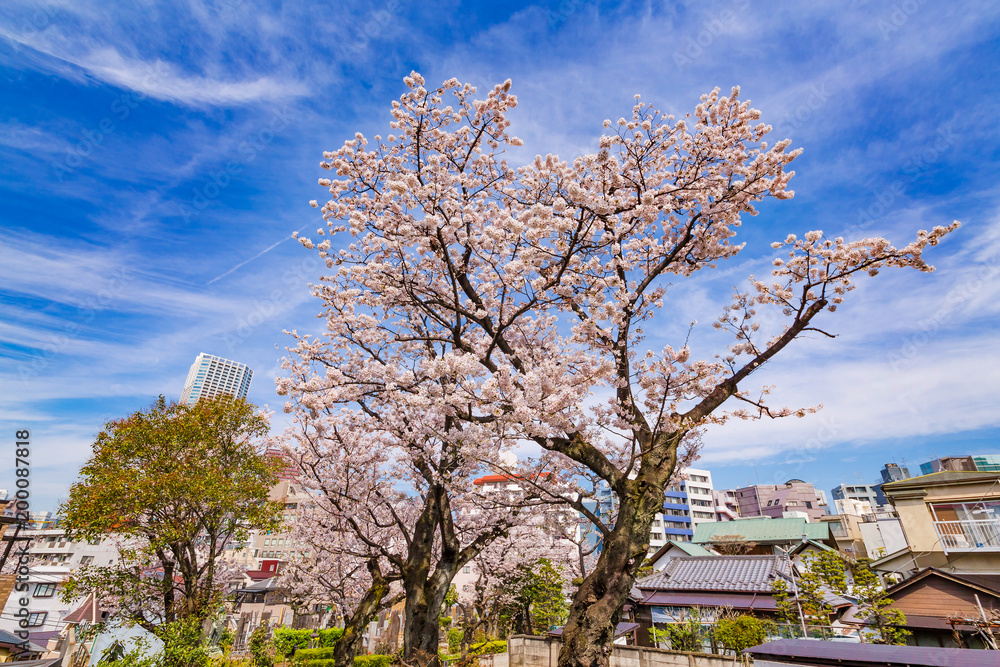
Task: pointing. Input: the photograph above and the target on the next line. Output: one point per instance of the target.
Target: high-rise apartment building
(211, 376)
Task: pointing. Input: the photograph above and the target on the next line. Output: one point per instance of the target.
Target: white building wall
(882, 537)
(53, 560)
(701, 499)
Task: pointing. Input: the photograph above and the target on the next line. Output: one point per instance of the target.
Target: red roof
(490, 479)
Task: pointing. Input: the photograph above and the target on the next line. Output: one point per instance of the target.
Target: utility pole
(795, 587)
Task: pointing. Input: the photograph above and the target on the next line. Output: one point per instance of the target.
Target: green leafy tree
(788, 611)
(544, 593)
(873, 606)
(172, 485)
(687, 635)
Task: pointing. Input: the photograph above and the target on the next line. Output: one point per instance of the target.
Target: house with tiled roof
(702, 585)
(673, 549)
(12, 647)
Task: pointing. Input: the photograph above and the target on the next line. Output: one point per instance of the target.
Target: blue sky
(156, 157)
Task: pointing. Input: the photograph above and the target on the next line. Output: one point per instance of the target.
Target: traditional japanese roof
(985, 583)
(845, 654)
(744, 574)
(773, 531)
(802, 546)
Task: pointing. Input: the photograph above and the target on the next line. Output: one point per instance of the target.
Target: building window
(86, 560)
(44, 590)
(37, 618)
(467, 569)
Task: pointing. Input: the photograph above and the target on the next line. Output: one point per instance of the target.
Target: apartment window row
(699, 478)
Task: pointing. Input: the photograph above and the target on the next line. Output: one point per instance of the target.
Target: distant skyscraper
(210, 376)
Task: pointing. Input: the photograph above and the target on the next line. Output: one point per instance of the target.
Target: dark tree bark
(426, 590)
(347, 646)
(597, 605)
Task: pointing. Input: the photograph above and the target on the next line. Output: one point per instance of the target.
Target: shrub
(310, 654)
(486, 648)
(373, 661)
(740, 632)
(455, 636)
(285, 639)
(359, 661)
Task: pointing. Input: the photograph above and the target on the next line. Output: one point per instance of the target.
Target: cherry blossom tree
(500, 571)
(396, 491)
(341, 568)
(515, 298)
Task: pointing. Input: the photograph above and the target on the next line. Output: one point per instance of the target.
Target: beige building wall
(913, 499)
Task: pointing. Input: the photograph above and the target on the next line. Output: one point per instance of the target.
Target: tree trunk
(421, 627)
(421, 632)
(597, 605)
(347, 646)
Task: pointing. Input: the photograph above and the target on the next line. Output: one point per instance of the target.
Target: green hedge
(285, 639)
(482, 648)
(359, 661)
(373, 661)
(486, 648)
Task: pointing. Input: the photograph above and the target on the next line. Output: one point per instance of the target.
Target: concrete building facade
(951, 521)
(871, 494)
(794, 498)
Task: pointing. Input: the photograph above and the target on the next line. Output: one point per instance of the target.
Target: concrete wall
(882, 537)
(528, 651)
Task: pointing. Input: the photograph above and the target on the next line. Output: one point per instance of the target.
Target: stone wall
(529, 651)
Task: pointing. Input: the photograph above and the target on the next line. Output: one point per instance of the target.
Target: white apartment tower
(211, 376)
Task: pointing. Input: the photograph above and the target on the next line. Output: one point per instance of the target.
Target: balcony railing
(982, 534)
